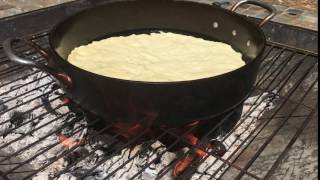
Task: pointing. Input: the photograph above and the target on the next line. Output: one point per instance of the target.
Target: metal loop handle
(62, 78)
(269, 7)
(8, 50)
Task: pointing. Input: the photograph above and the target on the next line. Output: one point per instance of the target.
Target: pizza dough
(156, 57)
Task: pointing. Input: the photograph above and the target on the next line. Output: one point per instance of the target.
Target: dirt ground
(300, 4)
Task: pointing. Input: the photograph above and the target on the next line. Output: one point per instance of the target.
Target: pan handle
(62, 78)
(269, 7)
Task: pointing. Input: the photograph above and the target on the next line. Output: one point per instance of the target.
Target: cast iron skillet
(166, 103)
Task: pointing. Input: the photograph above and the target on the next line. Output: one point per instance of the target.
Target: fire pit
(44, 135)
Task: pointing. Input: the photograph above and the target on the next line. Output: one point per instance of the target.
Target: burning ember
(183, 164)
(214, 146)
(127, 130)
(62, 119)
(67, 81)
(193, 140)
(69, 143)
(131, 130)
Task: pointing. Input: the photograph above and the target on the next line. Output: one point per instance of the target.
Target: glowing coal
(54, 129)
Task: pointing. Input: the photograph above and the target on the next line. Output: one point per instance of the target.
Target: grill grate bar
(84, 157)
(211, 131)
(27, 52)
(207, 134)
(290, 144)
(273, 78)
(33, 37)
(291, 48)
(31, 120)
(14, 67)
(267, 122)
(24, 172)
(264, 145)
(230, 156)
(292, 116)
(274, 59)
(15, 72)
(30, 132)
(289, 100)
(162, 153)
(68, 152)
(262, 127)
(11, 70)
(265, 68)
(24, 51)
(217, 157)
(236, 150)
(267, 53)
(20, 78)
(245, 116)
(112, 154)
(27, 92)
(285, 79)
(30, 110)
(26, 102)
(17, 68)
(76, 130)
(224, 138)
(137, 154)
(18, 87)
(21, 50)
(251, 109)
(293, 70)
(40, 139)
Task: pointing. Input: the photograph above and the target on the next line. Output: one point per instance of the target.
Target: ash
(239, 138)
(33, 136)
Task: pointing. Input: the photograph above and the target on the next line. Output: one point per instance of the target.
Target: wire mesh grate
(34, 114)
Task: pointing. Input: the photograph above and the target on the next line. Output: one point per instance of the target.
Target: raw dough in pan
(156, 57)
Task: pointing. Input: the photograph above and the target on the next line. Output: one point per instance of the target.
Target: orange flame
(64, 78)
(194, 140)
(127, 130)
(183, 164)
(68, 142)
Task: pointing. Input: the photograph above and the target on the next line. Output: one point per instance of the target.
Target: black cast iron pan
(166, 103)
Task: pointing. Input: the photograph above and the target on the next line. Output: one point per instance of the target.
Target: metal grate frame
(288, 75)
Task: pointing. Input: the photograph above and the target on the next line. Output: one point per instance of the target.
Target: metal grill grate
(284, 97)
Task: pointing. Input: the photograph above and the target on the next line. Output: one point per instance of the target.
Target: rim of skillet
(66, 63)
